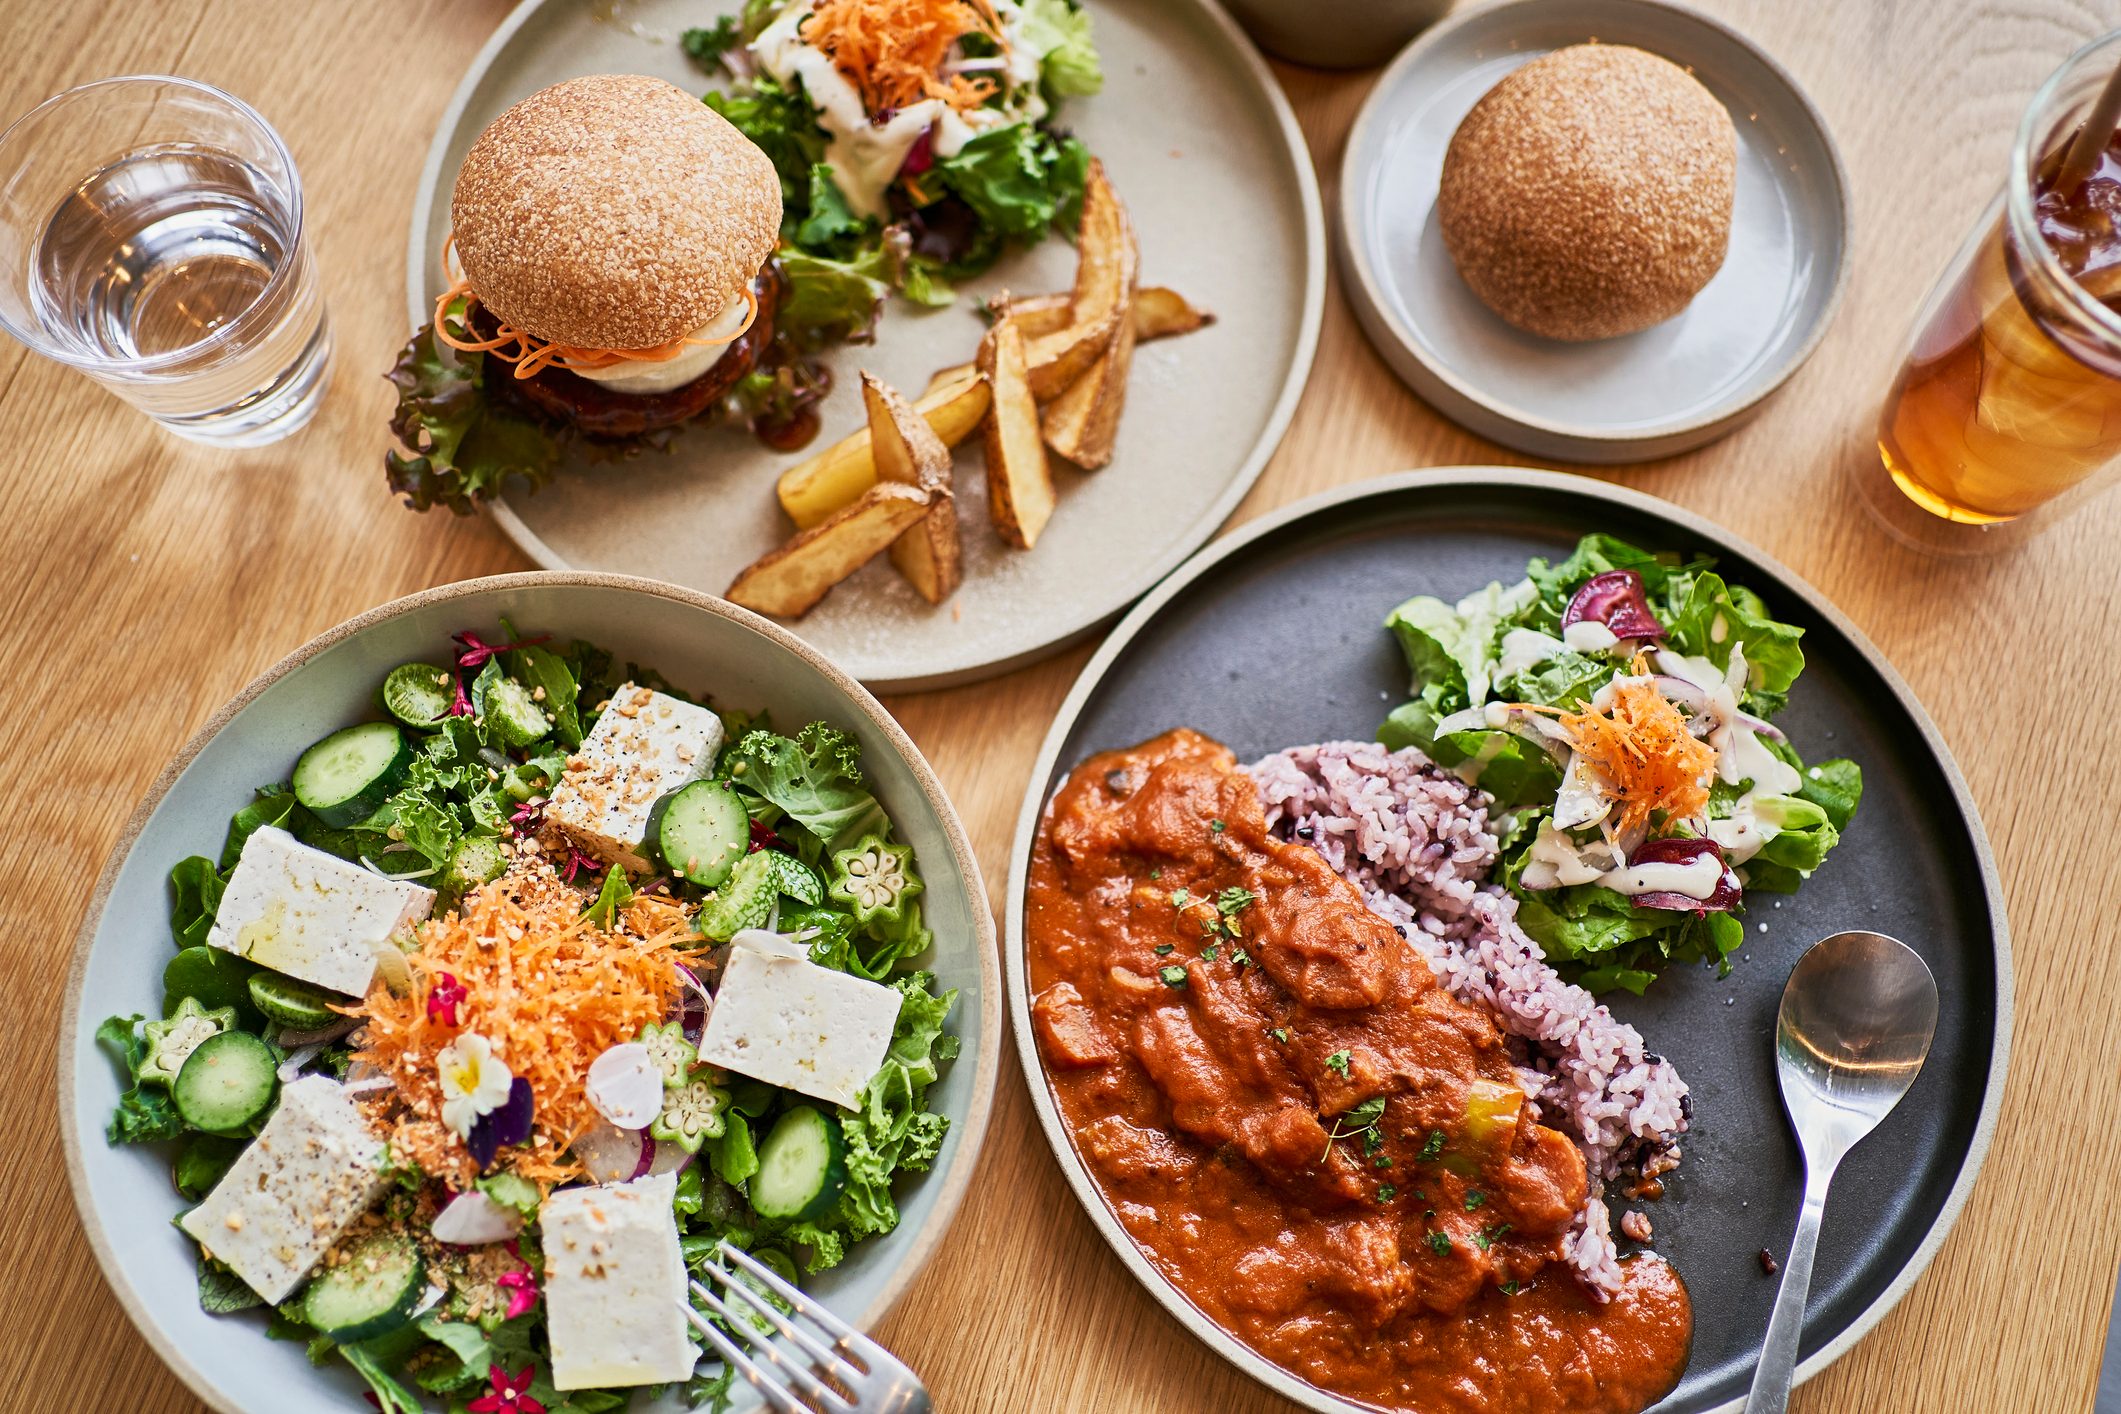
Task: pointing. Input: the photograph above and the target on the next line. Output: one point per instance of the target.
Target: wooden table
(146, 580)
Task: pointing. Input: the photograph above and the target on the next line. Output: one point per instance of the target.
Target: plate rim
(1296, 150)
(973, 1127)
(1531, 480)
(1468, 405)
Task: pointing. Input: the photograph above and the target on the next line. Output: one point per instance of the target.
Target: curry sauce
(1326, 1152)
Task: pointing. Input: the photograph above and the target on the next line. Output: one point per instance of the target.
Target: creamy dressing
(1555, 861)
(1589, 636)
(639, 378)
(1524, 648)
(1696, 878)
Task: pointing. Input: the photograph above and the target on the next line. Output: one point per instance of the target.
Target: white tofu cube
(311, 1171)
(789, 1022)
(310, 914)
(645, 746)
(614, 1280)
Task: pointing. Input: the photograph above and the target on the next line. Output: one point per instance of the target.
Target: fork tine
(761, 1342)
(807, 1305)
(769, 1388)
(836, 1367)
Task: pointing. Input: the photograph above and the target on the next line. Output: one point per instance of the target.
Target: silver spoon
(1857, 1016)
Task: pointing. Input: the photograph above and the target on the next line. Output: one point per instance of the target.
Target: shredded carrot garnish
(549, 990)
(893, 51)
(1643, 749)
(531, 354)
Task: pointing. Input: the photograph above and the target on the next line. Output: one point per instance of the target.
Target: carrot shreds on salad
(1639, 744)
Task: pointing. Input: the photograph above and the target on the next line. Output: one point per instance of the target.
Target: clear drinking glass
(151, 236)
(2010, 395)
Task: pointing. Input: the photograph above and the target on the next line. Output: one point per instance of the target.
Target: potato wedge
(1082, 424)
(1160, 312)
(1106, 268)
(946, 377)
(908, 452)
(1019, 483)
(812, 490)
(788, 581)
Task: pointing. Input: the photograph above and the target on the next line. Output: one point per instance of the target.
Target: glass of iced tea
(2010, 394)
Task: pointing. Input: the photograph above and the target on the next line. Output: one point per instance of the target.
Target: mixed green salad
(524, 932)
(1617, 707)
(914, 138)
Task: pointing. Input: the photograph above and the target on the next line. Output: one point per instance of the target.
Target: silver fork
(858, 1375)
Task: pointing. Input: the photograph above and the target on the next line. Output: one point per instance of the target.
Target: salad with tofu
(914, 138)
(1617, 707)
(515, 1001)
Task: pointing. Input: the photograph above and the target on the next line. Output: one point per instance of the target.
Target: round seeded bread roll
(615, 211)
(1589, 193)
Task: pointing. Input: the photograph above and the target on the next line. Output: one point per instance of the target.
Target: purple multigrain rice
(1416, 842)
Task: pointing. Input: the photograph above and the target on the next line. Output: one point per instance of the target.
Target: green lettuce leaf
(815, 777)
(1511, 769)
(1058, 32)
(830, 227)
(706, 47)
(1019, 180)
(457, 448)
(1716, 615)
(831, 300)
(194, 894)
(145, 1113)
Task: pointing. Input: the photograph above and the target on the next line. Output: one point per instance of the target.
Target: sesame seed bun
(1589, 193)
(614, 211)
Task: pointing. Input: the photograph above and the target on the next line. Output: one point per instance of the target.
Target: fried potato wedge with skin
(949, 377)
(812, 490)
(1160, 312)
(1019, 483)
(1082, 424)
(788, 582)
(908, 452)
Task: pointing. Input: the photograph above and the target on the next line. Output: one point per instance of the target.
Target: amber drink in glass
(2010, 394)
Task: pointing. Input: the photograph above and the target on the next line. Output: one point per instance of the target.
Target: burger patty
(598, 411)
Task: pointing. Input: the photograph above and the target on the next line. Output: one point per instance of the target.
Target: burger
(612, 247)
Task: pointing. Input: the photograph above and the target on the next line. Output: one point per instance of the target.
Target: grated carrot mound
(551, 992)
(1647, 756)
(893, 51)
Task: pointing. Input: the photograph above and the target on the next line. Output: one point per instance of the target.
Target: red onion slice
(1678, 850)
(612, 1154)
(1618, 600)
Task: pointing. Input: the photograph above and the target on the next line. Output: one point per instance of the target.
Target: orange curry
(1328, 1154)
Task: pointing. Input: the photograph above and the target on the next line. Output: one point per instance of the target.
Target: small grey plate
(1665, 390)
(1204, 150)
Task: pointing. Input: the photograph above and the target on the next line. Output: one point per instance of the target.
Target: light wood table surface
(143, 581)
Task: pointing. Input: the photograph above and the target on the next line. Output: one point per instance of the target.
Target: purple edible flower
(1617, 600)
(476, 651)
(509, 1123)
(577, 862)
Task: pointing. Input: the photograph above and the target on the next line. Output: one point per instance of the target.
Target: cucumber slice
(476, 860)
(227, 1084)
(343, 778)
(510, 709)
(373, 1292)
(746, 901)
(293, 1003)
(705, 832)
(796, 879)
(216, 978)
(419, 694)
(802, 1167)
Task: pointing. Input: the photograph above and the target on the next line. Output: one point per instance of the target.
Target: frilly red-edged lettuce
(457, 446)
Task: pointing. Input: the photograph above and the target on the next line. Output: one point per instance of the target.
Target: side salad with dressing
(914, 138)
(1618, 708)
(485, 1028)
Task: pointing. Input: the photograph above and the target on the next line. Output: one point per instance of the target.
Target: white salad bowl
(704, 645)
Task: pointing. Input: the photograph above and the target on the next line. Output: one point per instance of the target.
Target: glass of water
(151, 236)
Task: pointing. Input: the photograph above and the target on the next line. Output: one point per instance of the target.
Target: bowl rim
(1075, 1169)
(972, 1128)
(1489, 415)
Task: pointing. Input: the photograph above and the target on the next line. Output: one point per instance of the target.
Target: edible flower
(511, 1393)
(477, 652)
(577, 862)
(522, 1288)
(475, 1082)
(459, 702)
(529, 815)
(447, 996)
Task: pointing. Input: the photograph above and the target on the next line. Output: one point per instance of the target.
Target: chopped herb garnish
(1372, 1141)
(1510, 1287)
(1360, 1120)
(1180, 898)
(1384, 1161)
(1338, 1064)
(1241, 958)
(1440, 1243)
(1231, 902)
(1207, 954)
(1432, 1147)
(1156, 873)
(1489, 1235)
(1474, 1198)
(1386, 1193)
(1162, 949)
(1281, 1034)
(1217, 826)
(1173, 976)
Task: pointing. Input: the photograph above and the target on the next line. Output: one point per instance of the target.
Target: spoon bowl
(1855, 1025)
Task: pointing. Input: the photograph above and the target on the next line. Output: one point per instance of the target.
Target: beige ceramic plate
(703, 645)
(1202, 147)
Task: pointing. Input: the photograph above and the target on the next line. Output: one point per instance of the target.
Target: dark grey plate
(1273, 636)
